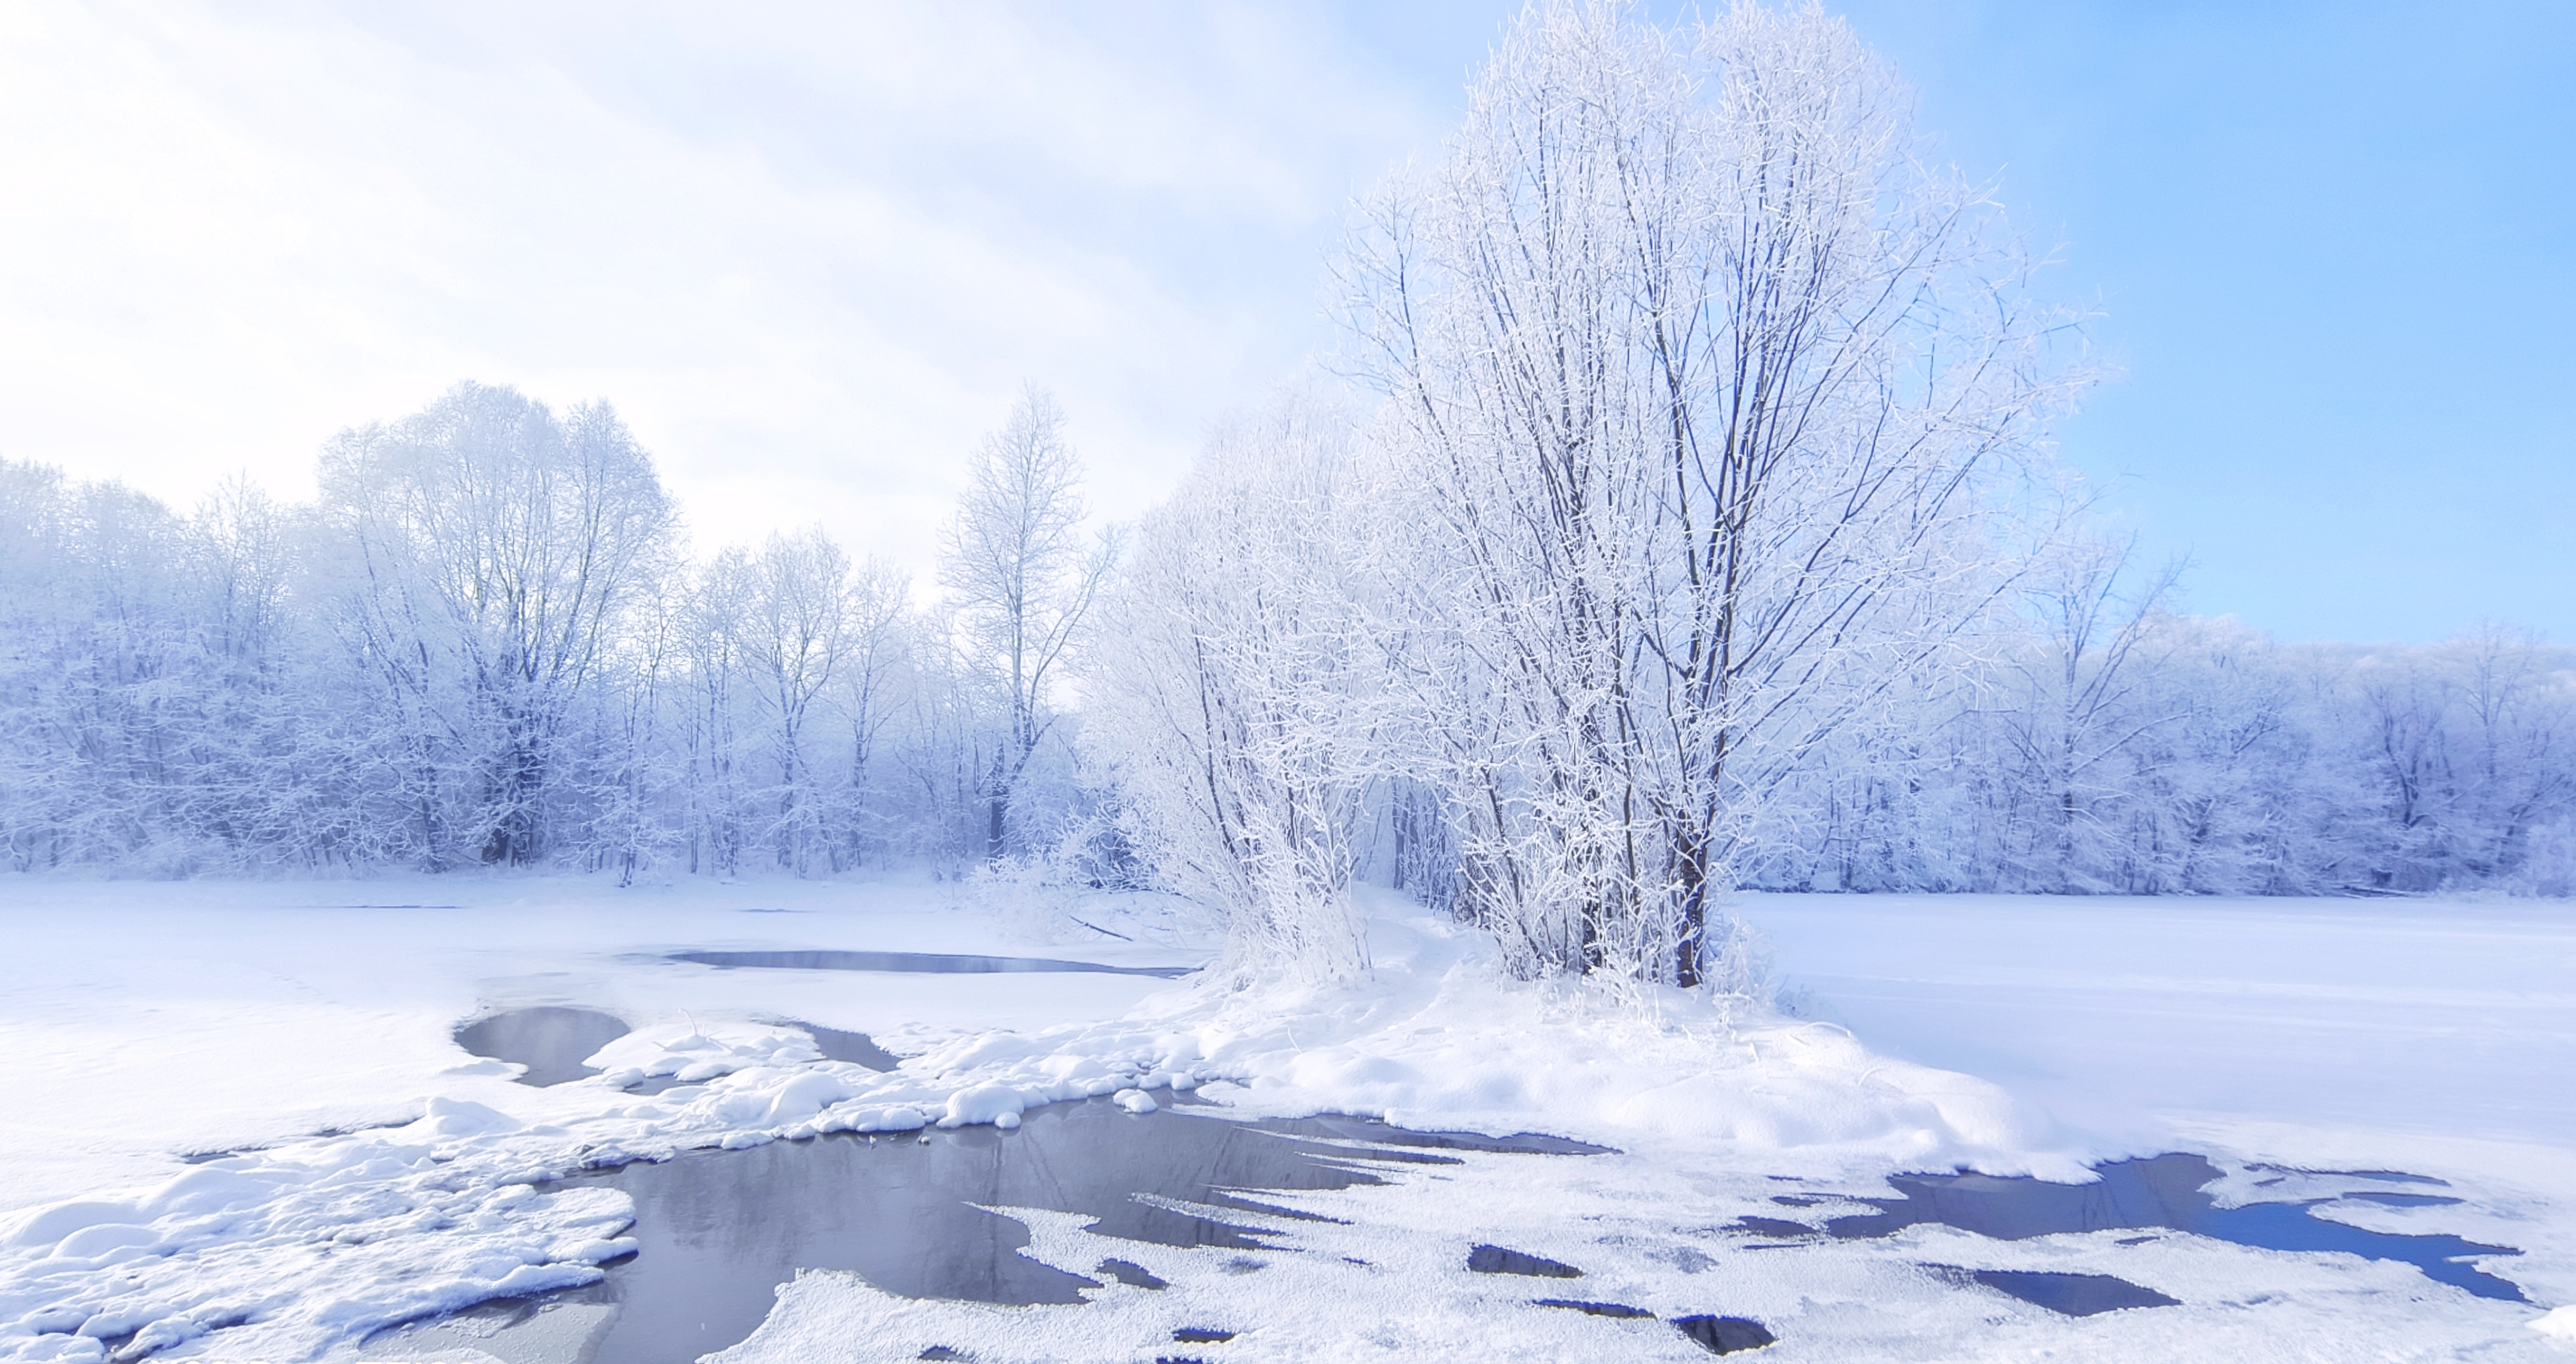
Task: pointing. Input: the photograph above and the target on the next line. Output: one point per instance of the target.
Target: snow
(144, 1023)
(2440, 1017)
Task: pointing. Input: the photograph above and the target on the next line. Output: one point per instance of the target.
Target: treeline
(2136, 751)
(484, 644)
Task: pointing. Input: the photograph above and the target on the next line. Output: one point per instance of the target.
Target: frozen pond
(324, 1021)
(718, 1231)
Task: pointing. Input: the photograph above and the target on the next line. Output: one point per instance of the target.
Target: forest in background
(222, 692)
(1686, 522)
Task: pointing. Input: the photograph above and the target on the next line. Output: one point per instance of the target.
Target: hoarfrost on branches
(1696, 377)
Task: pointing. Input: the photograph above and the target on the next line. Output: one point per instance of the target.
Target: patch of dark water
(551, 1041)
(718, 1231)
(1718, 1335)
(1497, 1260)
(2075, 1295)
(2402, 1200)
(2164, 1191)
(935, 963)
(1379, 1136)
(1131, 1274)
(1725, 1335)
(856, 1048)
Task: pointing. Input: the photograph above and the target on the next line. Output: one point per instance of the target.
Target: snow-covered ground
(143, 1021)
(140, 1024)
(2407, 1018)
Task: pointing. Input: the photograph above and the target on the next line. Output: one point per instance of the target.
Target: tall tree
(879, 649)
(1695, 366)
(498, 550)
(1024, 579)
(799, 631)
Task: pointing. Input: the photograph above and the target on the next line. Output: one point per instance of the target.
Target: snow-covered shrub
(2549, 862)
(1234, 697)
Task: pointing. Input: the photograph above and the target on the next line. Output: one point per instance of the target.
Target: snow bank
(1435, 1038)
(306, 1245)
(315, 1244)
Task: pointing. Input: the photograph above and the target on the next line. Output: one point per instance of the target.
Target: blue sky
(2335, 246)
(2334, 250)
(812, 250)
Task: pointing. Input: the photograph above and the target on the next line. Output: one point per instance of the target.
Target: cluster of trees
(1702, 536)
(484, 644)
(2096, 746)
(1688, 526)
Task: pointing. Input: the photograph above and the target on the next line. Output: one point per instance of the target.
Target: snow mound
(306, 1245)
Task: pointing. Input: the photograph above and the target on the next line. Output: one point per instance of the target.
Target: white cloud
(810, 251)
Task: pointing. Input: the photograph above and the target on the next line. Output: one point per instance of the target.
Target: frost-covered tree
(1695, 368)
(2079, 719)
(1023, 577)
(1237, 695)
(492, 552)
(870, 685)
(796, 636)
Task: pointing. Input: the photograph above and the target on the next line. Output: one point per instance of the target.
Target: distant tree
(879, 647)
(1024, 579)
(796, 635)
(497, 551)
(2085, 711)
(711, 623)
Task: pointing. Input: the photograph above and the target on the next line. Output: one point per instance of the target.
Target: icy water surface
(553, 1041)
(550, 1041)
(2169, 1192)
(718, 1231)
